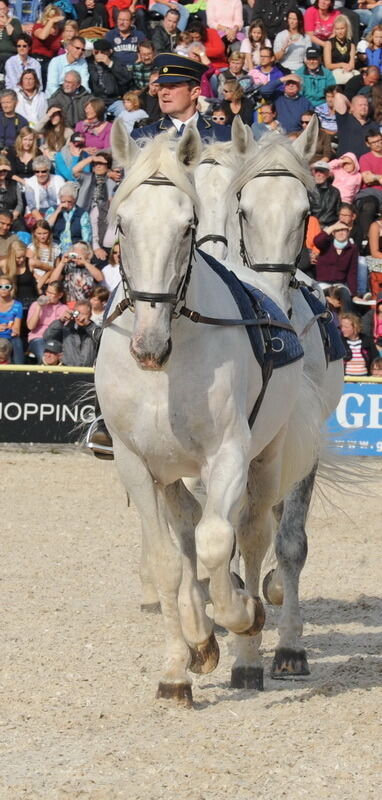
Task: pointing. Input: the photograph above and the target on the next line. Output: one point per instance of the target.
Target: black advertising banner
(45, 407)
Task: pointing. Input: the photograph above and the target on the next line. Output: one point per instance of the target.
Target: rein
(266, 267)
(212, 237)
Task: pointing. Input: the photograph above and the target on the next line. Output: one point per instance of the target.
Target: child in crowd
(132, 112)
(5, 351)
(361, 350)
(347, 176)
(98, 303)
(373, 52)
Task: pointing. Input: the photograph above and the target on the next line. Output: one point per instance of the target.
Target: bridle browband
(212, 237)
(266, 267)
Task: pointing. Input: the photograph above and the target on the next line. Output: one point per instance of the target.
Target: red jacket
(215, 49)
(332, 267)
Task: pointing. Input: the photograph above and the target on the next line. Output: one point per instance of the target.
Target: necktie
(181, 129)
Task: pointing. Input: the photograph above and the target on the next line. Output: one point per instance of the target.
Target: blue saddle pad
(286, 347)
(331, 337)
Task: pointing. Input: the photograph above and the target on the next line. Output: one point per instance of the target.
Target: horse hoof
(289, 663)
(259, 620)
(247, 678)
(151, 608)
(273, 592)
(205, 656)
(180, 692)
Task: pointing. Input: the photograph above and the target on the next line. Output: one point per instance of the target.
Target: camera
(72, 261)
(75, 314)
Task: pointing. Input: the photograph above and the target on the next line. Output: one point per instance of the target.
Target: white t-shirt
(111, 276)
(294, 56)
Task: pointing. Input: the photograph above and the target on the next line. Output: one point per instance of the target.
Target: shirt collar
(178, 122)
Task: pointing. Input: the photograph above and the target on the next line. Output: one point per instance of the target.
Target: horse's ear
(242, 137)
(123, 146)
(189, 149)
(305, 144)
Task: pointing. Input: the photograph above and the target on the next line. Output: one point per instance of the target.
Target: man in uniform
(179, 88)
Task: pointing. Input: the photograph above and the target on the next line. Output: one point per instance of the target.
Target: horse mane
(274, 151)
(157, 157)
(220, 152)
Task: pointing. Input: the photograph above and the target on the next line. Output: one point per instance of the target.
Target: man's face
(22, 48)
(236, 66)
(5, 225)
(69, 84)
(124, 22)
(170, 22)
(8, 104)
(312, 63)
(84, 315)
(320, 176)
(371, 77)
(360, 107)
(76, 49)
(153, 85)
(178, 98)
(375, 144)
(292, 89)
(100, 166)
(346, 217)
(146, 55)
(330, 99)
(266, 58)
(42, 175)
(267, 114)
(51, 359)
(67, 202)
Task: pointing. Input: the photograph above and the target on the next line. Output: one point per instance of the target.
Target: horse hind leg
(291, 550)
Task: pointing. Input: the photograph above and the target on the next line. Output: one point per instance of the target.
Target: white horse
(253, 202)
(176, 398)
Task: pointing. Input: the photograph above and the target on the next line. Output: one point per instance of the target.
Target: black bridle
(212, 237)
(266, 267)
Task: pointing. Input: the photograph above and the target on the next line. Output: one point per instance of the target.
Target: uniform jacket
(206, 129)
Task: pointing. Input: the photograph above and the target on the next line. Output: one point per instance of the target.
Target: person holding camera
(77, 334)
(78, 272)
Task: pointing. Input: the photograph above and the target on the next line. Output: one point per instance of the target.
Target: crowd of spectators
(68, 69)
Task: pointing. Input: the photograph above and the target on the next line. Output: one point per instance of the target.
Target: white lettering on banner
(375, 411)
(71, 413)
(45, 410)
(354, 420)
(87, 414)
(7, 412)
(30, 409)
(14, 411)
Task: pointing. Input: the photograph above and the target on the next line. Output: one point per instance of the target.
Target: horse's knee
(214, 541)
(291, 547)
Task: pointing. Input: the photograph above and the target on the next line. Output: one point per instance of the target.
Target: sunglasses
(41, 171)
(78, 48)
(6, 286)
(22, 46)
(305, 121)
(218, 119)
(100, 163)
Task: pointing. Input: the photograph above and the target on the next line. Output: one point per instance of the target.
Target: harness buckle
(194, 316)
(279, 347)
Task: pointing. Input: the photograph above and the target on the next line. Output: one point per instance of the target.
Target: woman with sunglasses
(41, 191)
(16, 65)
(11, 314)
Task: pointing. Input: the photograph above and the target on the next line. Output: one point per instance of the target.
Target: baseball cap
(312, 52)
(78, 138)
(321, 165)
(53, 346)
(102, 46)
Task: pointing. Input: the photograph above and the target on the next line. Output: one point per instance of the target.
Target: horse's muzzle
(151, 360)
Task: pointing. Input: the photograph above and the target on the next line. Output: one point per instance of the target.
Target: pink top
(370, 162)
(347, 183)
(99, 140)
(49, 313)
(322, 28)
(228, 13)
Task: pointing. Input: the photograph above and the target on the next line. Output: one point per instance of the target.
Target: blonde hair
(49, 11)
(25, 131)
(354, 319)
(344, 21)
(369, 38)
(10, 262)
(133, 99)
(234, 87)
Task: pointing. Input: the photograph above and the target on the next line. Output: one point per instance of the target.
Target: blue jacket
(207, 129)
(289, 109)
(314, 84)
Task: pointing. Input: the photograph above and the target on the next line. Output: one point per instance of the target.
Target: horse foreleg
(291, 551)
(196, 625)
(165, 564)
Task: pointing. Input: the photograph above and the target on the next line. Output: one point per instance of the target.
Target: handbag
(374, 264)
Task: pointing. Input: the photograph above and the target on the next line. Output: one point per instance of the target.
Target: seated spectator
(52, 355)
(5, 351)
(45, 310)
(47, 37)
(55, 134)
(108, 77)
(374, 262)
(71, 97)
(211, 41)
(290, 104)
(371, 166)
(327, 200)
(31, 101)
(67, 158)
(69, 222)
(149, 98)
(25, 283)
(371, 326)
(337, 261)
(291, 43)
(273, 13)
(6, 236)
(373, 53)
(10, 122)
(72, 60)
(165, 35)
(235, 103)
(142, 68)
(226, 18)
(94, 127)
(10, 29)
(252, 44)
(77, 334)
(111, 273)
(315, 78)
(323, 150)
(98, 302)
(319, 21)
(41, 191)
(339, 51)
(363, 83)
(163, 8)
(11, 197)
(267, 121)
(124, 38)
(78, 273)
(42, 252)
(267, 71)
(91, 15)
(376, 368)
(347, 177)
(220, 115)
(326, 113)
(353, 124)
(70, 32)
(132, 112)
(361, 349)
(11, 314)
(96, 191)
(235, 72)
(16, 65)
(23, 154)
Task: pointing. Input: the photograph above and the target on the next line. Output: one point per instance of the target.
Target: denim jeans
(36, 346)
(17, 350)
(160, 8)
(362, 276)
(369, 18)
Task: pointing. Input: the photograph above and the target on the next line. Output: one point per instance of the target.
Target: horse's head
(155, 213)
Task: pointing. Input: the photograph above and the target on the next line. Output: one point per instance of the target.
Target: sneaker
(98, 440)
(367, 296)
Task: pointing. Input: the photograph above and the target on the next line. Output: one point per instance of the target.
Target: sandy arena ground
(80, 663)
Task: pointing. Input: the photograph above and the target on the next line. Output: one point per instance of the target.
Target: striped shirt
(357, 363)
